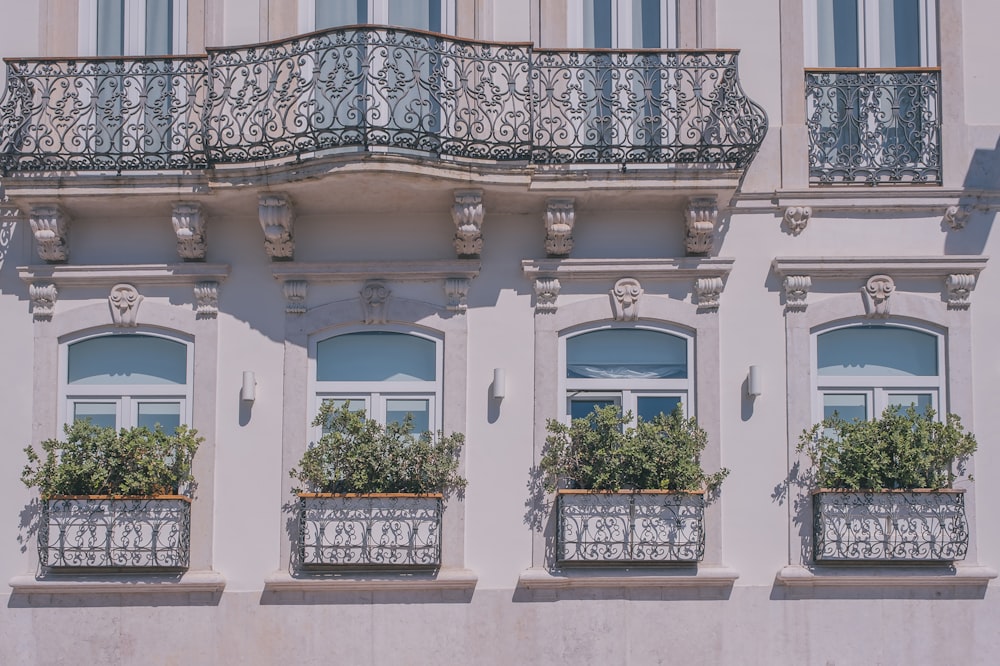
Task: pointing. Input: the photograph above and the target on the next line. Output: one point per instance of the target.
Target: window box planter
(889, 526)
(642, 526)
(378, 530)
(113, 532)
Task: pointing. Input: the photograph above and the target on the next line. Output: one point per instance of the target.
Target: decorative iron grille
(115, 533)
(360, 88)
(630, 527)
(889, 526)
(382, 531)
(868, 126)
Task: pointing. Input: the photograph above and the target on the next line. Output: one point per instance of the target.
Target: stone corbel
(374, 299)
(625, 297)
(124, 300)
(457, 292)
(50, 226)
(702, 214)
(468, 214)
(206, 295)
(277, 217)
(956, 217)
(295, 296)
(708, 290)
(43, 300)
(189, 226)
(796, 218)
(796, 290)
(546, 294)
(877, 291)
(959, 287)
(560, 216)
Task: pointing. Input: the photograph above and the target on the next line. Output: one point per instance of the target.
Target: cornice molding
(389, 271)
(865, 267)
(681, 268)
(107, 276)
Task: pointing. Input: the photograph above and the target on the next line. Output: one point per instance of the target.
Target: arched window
(862, 370)
(128, 380)
(644, 371)
(388, 374)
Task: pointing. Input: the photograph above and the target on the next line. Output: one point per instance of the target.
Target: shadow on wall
(969, 228)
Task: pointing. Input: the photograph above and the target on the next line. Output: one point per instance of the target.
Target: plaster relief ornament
(956, 217)
(468, 214)
(206, 296)
(960, 286)
(457, 292)
(189, 227)
(50, 226)
(708, 291)
(796, 218)
(625, 297)
(43, 300)
(295, 296)
(546, 294)
(374, 297)
(796, 290)
(877, 291)
(277, 217)
(702, 214)
(560, 216)
(124, 300)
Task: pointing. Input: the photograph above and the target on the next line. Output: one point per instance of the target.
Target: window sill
(887, 575)
(704, 576)
(443, 579)
(210, 582)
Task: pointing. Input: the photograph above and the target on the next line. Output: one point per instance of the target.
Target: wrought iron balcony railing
(874, 126)
(365, 87)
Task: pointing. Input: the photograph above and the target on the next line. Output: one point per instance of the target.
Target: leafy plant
(95, 460)
(598, 452)
(902, 449)
(359, 455)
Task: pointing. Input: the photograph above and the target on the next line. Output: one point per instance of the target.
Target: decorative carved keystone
(206, 296)
(796, 218)
(708, 290)
(189, 225)
(468, 213)
(43, 300)
(295, 296)
(374, 297)
(457, 292)
(276, 219)
(625, 297)
(560, 216)
(796, 290)
(50, 225)
(546, 294)
(960, 286)
(702, 214)
(124, 300)
(877, 291)
(956, 217)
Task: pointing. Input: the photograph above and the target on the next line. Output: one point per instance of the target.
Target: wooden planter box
(104, 532)
(911, 526)
(646, 526)
(393, 530)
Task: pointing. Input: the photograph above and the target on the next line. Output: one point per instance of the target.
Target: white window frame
(126, 397)
(870, 55)
(621, 24)
(135, 28)
(378, 14)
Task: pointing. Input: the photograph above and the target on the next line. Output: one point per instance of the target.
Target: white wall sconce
(499, 388)
(755, 382)
(248, 392)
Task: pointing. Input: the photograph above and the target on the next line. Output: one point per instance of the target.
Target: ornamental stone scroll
(124, 300)
(43, 300)
(877, 291)
(277, 217)
(546, 294)
(625, 297)
(560, 216)
(50, 227)
(188, 220)
(374, 300)
(468, 214)
(702, 215)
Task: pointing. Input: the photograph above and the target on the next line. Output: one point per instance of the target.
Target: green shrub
(102, 461)
(599, 452)
(902, 449)
(359, 455)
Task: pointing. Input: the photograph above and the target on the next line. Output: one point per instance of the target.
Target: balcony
(874, 126)
(371, 89)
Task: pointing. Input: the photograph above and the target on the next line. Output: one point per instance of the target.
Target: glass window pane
(101, 414)
(110, 27)
(646, 22)
(580, 408)
(922, 401)
(899, 33)
(331, 13)
(165, 414)
(867, 351)
(375, 356)
(159, 27)
(626, 354)
(417, 14)
(597, 24)
(127, 359)
(396, 411)
(838, 33)
(848, 406)
(649, 407)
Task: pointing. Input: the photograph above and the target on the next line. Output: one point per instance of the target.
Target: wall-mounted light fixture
(499, 388)
(248, 392)
(755, 383)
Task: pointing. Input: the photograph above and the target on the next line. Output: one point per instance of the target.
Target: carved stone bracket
(625, 297)
(468, 213)
(956, 217)
(796, 218)
(960, 286)
(796, 290)
(708, 290)
(189, 226)
(43, 300)
(546, 294)
(877, 291)
(374, 299)
(702, 214)
(50, 226)
(560, 216)
(456, 290)
(206, 295)
(277, 216)
(295, 296)
(124, 300)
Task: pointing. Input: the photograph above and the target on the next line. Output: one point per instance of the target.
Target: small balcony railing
(874, 126)
(361, 88)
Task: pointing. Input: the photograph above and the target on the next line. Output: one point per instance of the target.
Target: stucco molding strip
(359, 271)
(930, 201)
(886, 576)
(190, 582)
(443, 579)
(865, 267)
(706, 576)
(681, 268)
(142, 274)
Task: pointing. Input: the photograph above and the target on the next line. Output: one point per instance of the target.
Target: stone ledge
(705, 576)
(193, 581)
(443, 579)
(355, 271)
(885, 576)
(680, 268)
(100, 275)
